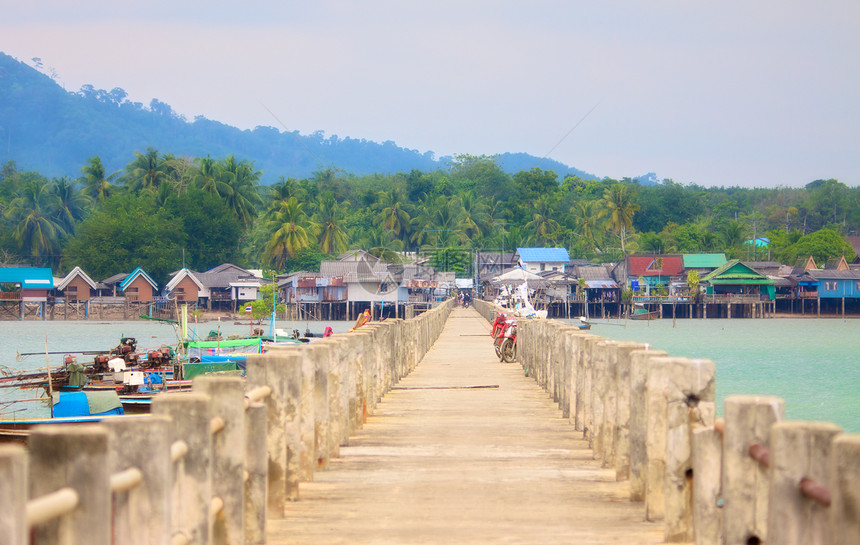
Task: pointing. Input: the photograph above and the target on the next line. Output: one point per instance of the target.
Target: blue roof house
(26, 283)
(537, 260)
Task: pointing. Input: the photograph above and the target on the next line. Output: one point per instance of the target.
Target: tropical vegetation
(162, 212)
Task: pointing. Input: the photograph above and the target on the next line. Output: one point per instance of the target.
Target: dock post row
(750, 477)
(209, 466)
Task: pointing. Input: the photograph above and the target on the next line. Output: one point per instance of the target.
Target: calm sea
(813, 364)
(22, 337)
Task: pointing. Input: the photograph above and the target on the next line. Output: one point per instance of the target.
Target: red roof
(653, 265)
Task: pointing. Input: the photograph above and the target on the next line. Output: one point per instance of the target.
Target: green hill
(43, 127)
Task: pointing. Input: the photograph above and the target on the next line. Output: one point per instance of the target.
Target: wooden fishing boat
(642, 313)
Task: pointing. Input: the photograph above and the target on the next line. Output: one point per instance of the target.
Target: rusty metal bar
(760, 454)
(815, 491)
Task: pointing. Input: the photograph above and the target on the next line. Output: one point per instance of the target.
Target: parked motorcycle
(497, 332)
(508, 348)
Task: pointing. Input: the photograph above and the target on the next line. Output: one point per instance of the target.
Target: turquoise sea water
(18, 337)
(813, 364)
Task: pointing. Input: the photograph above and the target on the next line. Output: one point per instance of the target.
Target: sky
(757, 94)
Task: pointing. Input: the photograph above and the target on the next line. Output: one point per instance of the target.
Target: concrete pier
(465, 450)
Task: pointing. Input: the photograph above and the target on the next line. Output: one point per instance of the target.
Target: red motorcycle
(497, 332)
(508, 347)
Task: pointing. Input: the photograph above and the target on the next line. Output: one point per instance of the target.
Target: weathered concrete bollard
(141, 515)
(845, 506)
(256, 462)
(191, 475)
(676, 389)
(74, 457)
(621, 433)
(690, 405)
(13, 493)
(745, 481)
(584, 410)
(320, 356)
(707, 475)
(799, 450)
(640, 361)
(227, 402)
(280, 371)
(601, 396)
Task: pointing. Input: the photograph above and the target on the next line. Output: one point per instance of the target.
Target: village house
(76, 286)
(537, 260)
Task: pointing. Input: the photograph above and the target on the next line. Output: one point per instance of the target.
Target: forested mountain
(46, 128)
(90, 179)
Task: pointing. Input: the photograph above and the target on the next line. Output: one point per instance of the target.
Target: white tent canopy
(516, 276)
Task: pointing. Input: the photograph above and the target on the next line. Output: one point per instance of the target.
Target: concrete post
(583, 387)
(141, 515)
(320, 356)
(13, 494)
(191, 475)
(602, 368)
(227, 402)
(689, 405)
(707, 474)
(256, 465)
(281, 370)
(621, 433)
(845, 509)
(640, 362)
(75, 457)
(799, 450)
(745, 481)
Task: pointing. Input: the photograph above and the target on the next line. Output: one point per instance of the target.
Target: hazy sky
(734, 92)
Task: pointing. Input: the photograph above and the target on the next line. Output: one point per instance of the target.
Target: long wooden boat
(642, 313)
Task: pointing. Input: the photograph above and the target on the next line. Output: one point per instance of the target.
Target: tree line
(163, 211)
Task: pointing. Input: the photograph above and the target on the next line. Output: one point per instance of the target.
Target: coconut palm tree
(146, 172)
(289, 228)
(588, 222)
(618, 200)
(33, 212)
(543, 227)
(71, 203)
(393, 215)
(475, 219)
(328, 219)
(208, 177)
(98, 185)
(242, 181)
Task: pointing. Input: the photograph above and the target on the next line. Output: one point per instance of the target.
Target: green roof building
(736, 278)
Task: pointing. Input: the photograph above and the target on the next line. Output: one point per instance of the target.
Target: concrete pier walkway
(465, 450)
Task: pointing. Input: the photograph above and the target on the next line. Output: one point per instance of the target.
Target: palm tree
(71, 203)
(542, 225)
(732, 234)
(34, 212)
(618, 199)
(289, 229)
(587, 220)
(333, 238)
(242, 195)
(475, 219)
(392, 214)
(208, 177)
(146, 172)
(381, 243)
(98, 185)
